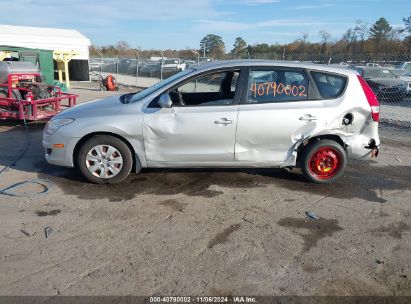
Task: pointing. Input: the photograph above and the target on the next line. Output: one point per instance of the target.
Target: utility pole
(198, 56)
(198, 63)
(101, 62)
(204, 49)
(138, 59)
(161, 67)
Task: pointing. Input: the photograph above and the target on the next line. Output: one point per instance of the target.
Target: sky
(180, 24)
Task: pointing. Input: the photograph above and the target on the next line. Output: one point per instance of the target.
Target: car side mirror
(165, 101)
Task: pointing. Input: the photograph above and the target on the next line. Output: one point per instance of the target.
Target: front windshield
(140, 95)
(377, 73)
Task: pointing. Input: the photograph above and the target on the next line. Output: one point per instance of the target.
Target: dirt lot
(207, 232)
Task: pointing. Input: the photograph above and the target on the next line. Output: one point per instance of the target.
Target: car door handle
(223, 121)
(308, 117)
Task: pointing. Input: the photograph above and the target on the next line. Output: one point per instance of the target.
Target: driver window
(207, 90)
(203, 84)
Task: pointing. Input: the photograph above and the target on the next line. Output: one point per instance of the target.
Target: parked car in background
(238, 113)
(205, 59)
(150, 69)
(132, 67)
(384, 83)
(96, 64)
(154, 69)
(373, 64)
(404, 66)
(123, 64)
(190, 63)
(174, 64)
(407, 79)
(110, 65)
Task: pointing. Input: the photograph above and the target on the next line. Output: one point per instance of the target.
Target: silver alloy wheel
(104, 161)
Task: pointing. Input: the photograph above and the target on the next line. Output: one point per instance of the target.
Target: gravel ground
(87, 91)
(206, 232)
(398, 113)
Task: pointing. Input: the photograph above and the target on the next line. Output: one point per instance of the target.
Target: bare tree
(304, 37)
(325, 37)
(122, 47)
(361, 29)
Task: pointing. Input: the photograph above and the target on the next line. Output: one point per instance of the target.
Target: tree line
(361, 38)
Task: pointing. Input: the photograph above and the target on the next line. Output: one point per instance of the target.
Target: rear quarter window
(329, 85)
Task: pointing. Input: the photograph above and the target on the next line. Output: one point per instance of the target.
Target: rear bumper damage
(372, 145)
(359, 147)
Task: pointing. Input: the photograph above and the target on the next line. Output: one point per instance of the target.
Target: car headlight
(55, 124)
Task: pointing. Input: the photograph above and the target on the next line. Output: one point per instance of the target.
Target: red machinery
(110, 83)
(24, 96)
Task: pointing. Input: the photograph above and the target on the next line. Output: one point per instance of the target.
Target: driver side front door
(198, 132)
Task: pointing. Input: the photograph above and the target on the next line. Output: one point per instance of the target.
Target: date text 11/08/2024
(239, 299)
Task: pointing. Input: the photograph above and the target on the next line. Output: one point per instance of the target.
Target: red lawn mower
(108, 83)
(24, 96)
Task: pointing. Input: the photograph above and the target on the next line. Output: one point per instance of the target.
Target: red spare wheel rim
(325, 163)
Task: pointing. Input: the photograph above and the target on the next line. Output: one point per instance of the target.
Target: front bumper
(61, 155)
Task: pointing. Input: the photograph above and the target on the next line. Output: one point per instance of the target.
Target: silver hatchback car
(239, 113)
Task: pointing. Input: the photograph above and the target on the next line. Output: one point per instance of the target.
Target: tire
(324, 161)
(107, 169)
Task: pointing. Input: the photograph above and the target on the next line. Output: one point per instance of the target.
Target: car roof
(372, 68)
(275, 63)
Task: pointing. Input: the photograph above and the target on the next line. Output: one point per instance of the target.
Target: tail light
(371, 98)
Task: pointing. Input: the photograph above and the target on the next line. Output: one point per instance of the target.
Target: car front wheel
(324, 161)
(104, 159)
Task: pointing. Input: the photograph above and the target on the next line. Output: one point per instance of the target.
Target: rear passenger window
(277, 85)
(329, 86)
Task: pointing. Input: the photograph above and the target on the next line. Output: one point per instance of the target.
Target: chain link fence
(389, 75)
(139, 72)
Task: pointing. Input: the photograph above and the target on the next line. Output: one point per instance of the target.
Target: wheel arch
(136, 166)
(310, 140)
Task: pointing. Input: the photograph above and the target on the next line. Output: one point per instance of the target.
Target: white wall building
(51, 39)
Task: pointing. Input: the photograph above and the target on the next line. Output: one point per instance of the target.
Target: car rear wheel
(324, 161)
(105, 159)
